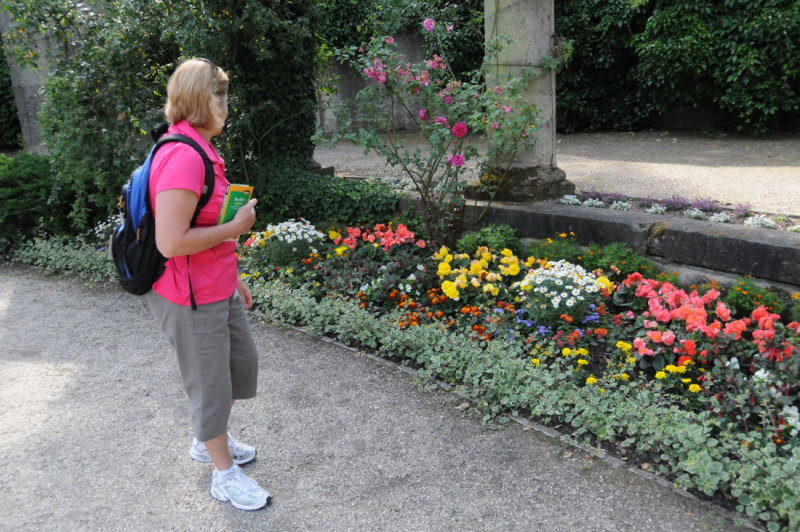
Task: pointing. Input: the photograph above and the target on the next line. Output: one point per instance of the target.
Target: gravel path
(94, 434)
(764, 173)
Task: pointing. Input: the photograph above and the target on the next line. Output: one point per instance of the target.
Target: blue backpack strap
(208, 185)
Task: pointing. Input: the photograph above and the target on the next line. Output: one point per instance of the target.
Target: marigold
(694, 388)
(590, 379)
(661, 375)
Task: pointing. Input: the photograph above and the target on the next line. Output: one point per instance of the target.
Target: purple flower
(429, 24)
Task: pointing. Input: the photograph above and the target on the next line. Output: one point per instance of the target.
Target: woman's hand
(245, 217)
(244, 292)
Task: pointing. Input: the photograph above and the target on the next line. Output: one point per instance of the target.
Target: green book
(235, 197)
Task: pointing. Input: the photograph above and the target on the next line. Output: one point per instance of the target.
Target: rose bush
(452, 115)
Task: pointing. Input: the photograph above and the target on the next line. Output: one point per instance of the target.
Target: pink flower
(498, 90)
(448, 99)
(423, 114)
(456, 160)
(506, 109)
(441, 120)
(421, 244)
(495, 125)
(459, 130)
(723, 312)
(429, 24)
(668, 338)
(449, 27)
(389, 40)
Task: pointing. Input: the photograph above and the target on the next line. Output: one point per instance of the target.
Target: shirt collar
(184, 128)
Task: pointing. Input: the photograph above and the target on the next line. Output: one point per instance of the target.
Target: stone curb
(762, 253)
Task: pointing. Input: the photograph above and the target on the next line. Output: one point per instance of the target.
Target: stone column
(529, 24)
(27, 84)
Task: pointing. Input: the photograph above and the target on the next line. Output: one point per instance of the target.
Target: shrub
(495, 237)
(745, 296)
(25, 186)
(561, 246)
(617, 258)
(319, 198)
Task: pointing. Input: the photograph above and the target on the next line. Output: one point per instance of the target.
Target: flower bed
(679, 206)
(701, 382)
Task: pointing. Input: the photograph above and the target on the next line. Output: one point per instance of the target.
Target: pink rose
(459, 130)
(495, 125)
(456, 160)
(423, 114)
(506, 109)
(441, 120)
(429, 24)
(389, 40)
(448, 99)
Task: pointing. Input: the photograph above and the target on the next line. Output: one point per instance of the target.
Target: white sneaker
(242, 491)
(240, 452)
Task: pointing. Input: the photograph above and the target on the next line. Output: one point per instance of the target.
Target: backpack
(133, 245)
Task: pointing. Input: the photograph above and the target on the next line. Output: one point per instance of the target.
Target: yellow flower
(680, 369)
(603, 282)
(513, 269)
(590, 379)
(486, 256)
(630, 360)
(583, 362)
(448, 258)
(562, 235)
(444, 269)
(535, 362)
(461, 281)
(566, 351)
(686, 381)
(439, 255)
(341, 250)
(529, 262)
(507, 252)
(694, 388)
(624, 346)
(333, 234)
(582, 351)
(489, 288)
(624, 376)
(661, 375)
(475, 267)
(671, 369)
(450, 290)
(475, 282)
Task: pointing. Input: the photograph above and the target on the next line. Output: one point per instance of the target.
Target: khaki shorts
(217, 357)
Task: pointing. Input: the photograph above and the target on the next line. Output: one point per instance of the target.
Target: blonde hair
(198, 93)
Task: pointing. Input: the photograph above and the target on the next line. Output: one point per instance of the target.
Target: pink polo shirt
(213, 271)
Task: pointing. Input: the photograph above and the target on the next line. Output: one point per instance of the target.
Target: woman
(216, 353)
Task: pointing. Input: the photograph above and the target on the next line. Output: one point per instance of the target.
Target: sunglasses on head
(214, 73)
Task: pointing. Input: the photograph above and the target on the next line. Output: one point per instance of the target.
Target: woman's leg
(218, 451)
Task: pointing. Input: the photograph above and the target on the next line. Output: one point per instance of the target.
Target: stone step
(764, 254)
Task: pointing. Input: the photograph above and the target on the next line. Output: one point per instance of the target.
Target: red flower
(459, 130)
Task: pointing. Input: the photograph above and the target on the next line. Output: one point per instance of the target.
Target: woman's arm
(174, 237)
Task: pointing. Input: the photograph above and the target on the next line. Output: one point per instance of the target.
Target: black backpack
(133, 244)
